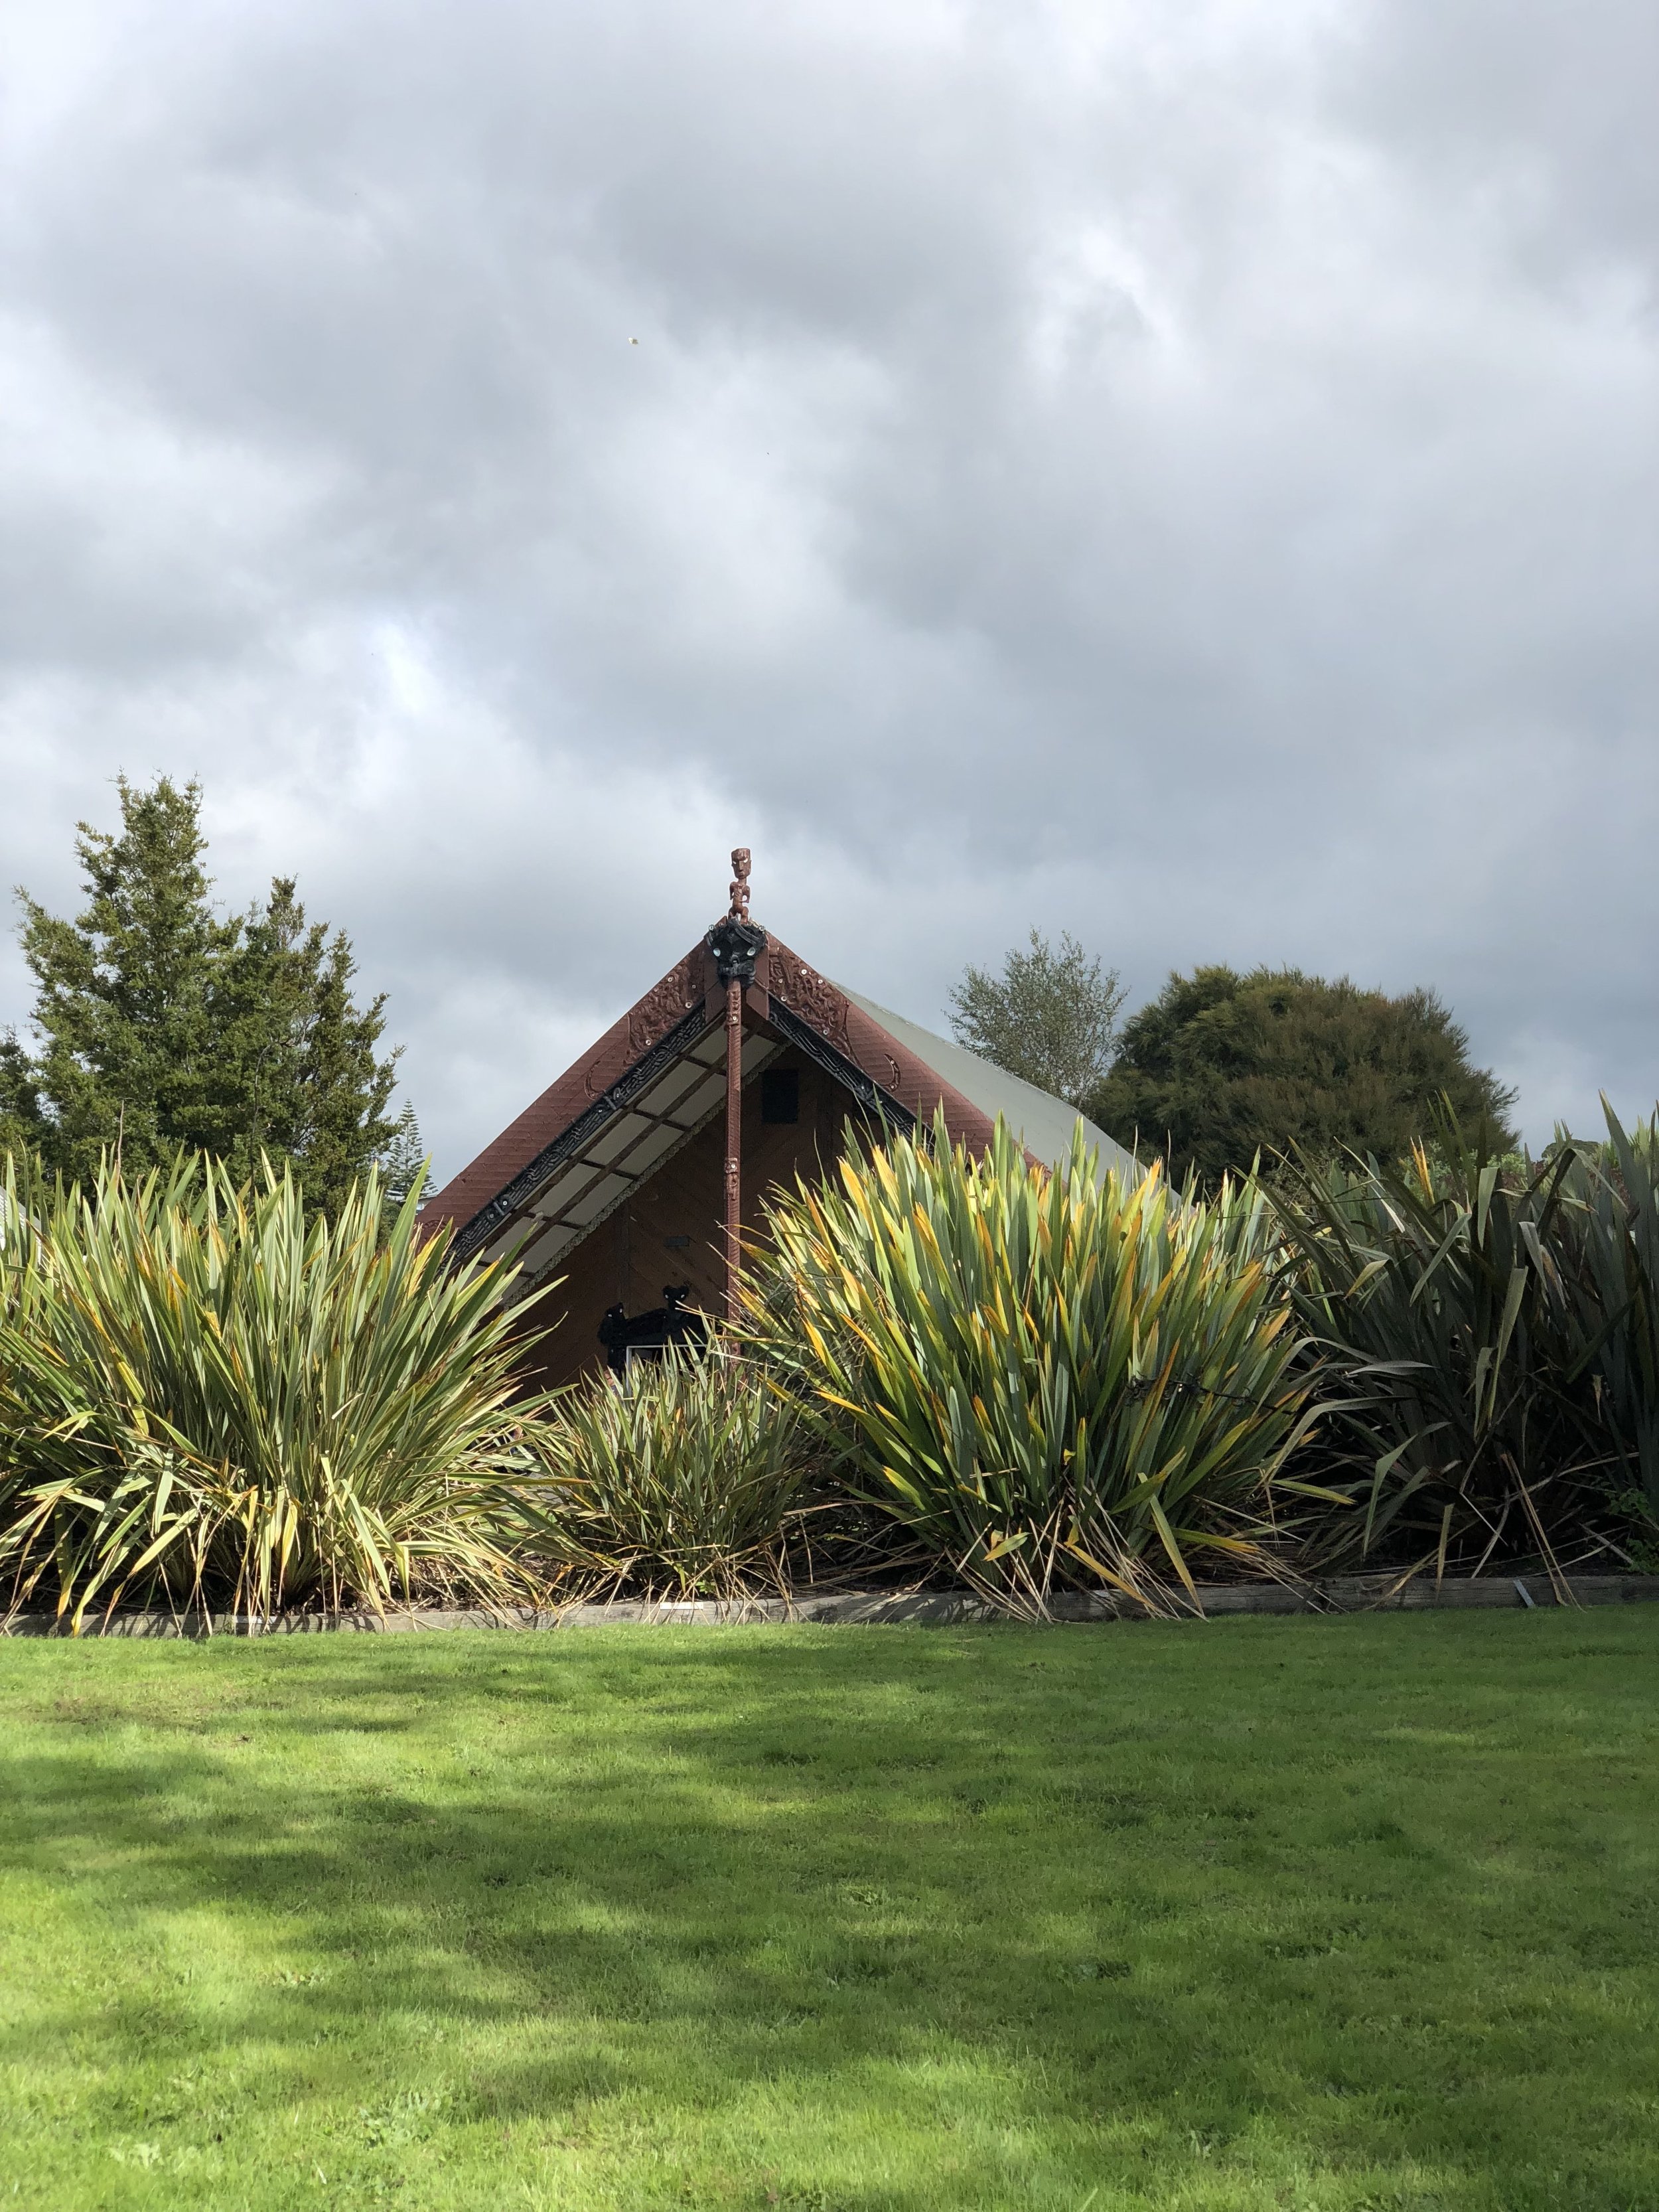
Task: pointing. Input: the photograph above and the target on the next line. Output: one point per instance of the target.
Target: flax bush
(688, 1479)
(1490, 1333)
(1042, 1378)
(207, 1399)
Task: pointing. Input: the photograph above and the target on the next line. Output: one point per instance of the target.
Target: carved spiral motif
(806, 993)
(660, 1009)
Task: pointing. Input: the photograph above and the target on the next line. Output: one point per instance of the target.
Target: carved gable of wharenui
(655, 1079)
(655, 1082)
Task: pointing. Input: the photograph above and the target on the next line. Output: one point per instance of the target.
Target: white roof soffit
(623, 1153)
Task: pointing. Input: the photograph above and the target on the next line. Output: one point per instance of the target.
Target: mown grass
(1330, 1914)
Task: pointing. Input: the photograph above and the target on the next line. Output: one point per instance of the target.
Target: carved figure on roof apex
(736, 942)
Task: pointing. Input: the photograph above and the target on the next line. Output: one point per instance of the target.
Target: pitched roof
(657, 1077)
(1045, 1125)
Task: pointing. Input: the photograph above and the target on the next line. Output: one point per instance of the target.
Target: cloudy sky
(1189, 475)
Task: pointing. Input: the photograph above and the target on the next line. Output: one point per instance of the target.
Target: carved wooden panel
(660, 1009)
(805, 992)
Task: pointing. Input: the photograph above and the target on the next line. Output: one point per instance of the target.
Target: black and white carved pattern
(848, 1072)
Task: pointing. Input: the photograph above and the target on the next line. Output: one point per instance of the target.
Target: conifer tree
(161, 1025)
(121, 1005)
(404, 1163)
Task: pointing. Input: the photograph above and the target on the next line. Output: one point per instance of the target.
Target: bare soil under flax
(1335, 1914)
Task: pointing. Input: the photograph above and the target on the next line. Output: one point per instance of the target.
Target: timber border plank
(1341, 1593)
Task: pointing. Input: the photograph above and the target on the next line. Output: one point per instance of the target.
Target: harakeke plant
(1494, 1333)
(207, 1399)
(685, 1478)
(1043, 1378)
(1610, 1211)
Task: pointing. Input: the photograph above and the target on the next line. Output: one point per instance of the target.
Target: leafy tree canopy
(1049, 1017)
(162, 1025)
(1222, 1066)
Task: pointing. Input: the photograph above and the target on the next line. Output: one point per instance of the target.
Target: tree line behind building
(162, 1024)
(233, 1373)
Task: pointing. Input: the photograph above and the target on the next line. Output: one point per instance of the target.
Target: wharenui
(637, 1176)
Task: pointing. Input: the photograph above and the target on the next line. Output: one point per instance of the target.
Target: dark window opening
(780, 1094)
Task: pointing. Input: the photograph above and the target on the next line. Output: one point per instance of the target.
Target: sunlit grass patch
(1330, 1914)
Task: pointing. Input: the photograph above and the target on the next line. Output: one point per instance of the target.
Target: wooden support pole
(736, 944)
(733, 1143)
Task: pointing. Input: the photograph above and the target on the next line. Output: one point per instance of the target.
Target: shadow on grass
(1153, 1911)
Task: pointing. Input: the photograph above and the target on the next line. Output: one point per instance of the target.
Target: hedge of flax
(1043, 1378)
(1489, 1335)
(953, 1367)
(208, 1399)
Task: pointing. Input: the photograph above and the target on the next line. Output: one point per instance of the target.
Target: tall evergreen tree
(161, 1025)
(1220, 1066)
(404, 1163)
(121, 1005)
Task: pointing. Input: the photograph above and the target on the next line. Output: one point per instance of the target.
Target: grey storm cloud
(1187, 477)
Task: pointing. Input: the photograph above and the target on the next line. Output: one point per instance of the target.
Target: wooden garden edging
(1341, 1593)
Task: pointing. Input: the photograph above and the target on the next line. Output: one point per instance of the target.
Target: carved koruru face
(735, 945)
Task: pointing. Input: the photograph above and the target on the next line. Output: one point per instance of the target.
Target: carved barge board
(524, 1187)
(846, 1069)
(802, 1007)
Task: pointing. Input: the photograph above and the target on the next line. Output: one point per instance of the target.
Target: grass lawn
(1335, 1914)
